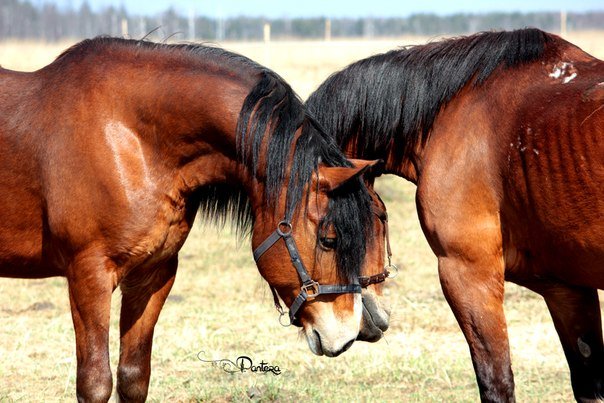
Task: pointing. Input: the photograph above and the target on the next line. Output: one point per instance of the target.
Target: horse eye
(328, 243)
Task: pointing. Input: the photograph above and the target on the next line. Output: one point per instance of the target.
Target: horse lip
(375, 333)
(316, 343)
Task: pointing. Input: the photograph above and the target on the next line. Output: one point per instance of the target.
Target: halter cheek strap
(310, 289)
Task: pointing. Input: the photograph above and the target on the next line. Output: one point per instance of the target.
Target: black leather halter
(310, 289)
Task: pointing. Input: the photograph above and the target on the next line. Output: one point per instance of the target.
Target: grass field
(220, 305)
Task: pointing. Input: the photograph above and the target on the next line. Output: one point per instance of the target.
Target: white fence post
(563, 23)
(267, 43)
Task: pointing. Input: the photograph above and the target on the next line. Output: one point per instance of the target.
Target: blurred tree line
(45, 21)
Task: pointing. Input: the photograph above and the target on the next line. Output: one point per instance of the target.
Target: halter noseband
(310, 288)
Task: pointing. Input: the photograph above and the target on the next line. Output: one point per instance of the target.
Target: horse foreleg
(143, 296)
(474, 290)
(576, 315)
(90, 289)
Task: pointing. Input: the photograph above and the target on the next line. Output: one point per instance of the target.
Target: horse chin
(330, 334)
(375, 319)
(330, 348)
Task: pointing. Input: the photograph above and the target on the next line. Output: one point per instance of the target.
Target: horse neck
(198, 120)
(189, 119)
(503, 92)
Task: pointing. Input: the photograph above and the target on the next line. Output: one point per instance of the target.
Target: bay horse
(503, 134)
(108, 153)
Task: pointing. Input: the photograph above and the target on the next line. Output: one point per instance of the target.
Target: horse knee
(94, 388)
(132, 383)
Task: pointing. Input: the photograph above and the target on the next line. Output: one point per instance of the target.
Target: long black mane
(392, 99)
(267, 123)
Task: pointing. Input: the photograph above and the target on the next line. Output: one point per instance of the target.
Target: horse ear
(331, 178)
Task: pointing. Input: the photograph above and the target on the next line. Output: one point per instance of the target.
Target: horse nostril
(371, 314)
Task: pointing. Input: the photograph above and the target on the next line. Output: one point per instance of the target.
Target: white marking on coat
(335, 329)
(564, 71)
(584, 348)
(569, 78)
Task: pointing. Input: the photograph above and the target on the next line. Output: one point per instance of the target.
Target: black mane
(270, 116)
(392, 99)
(273, 105)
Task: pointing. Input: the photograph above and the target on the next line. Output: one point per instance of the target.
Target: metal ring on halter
(287, 225)
(391, 268)
(311, 289)
(286, 324)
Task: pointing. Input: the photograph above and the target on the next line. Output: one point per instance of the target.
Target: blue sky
(334, 8)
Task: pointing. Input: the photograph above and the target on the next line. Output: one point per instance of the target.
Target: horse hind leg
(576, 315)
(143, 296)
(90, 288)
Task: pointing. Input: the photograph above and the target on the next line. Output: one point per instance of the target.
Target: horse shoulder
(458, 191)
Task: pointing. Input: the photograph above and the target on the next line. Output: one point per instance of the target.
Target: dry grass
(220, 305)
(423, 357)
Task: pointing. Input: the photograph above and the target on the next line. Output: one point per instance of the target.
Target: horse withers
(107, 155)
(502, 134)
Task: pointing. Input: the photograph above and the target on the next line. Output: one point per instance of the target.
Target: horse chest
(161, 238)
(174, 235)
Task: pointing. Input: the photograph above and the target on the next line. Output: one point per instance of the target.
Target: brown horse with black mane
(108, 153)
(503, 134)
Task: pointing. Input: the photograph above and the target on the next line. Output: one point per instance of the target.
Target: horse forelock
(349, 213)
(392, 99)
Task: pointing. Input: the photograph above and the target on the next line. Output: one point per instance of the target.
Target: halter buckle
(366, 281)
(311, 289)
